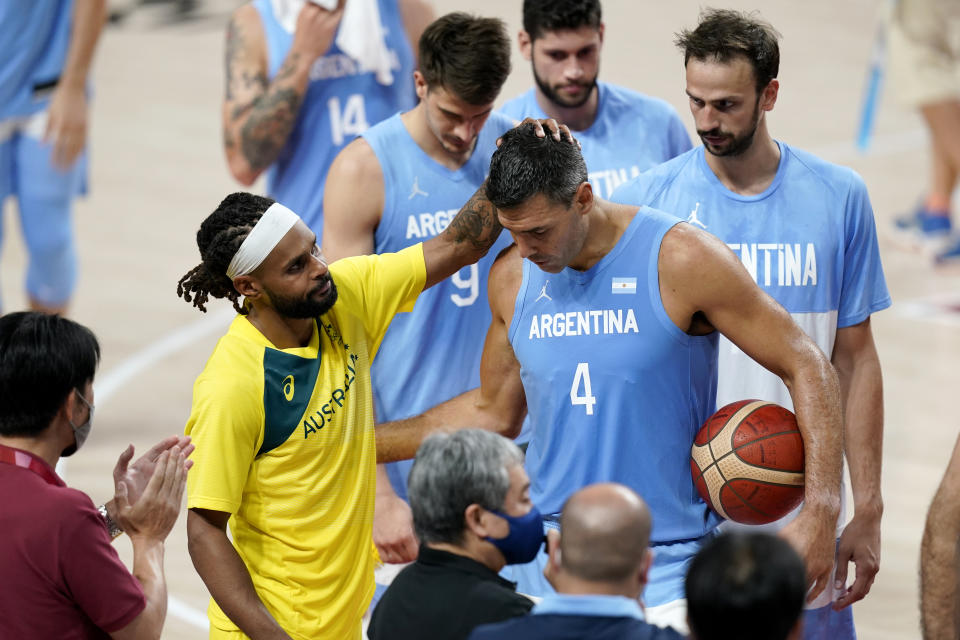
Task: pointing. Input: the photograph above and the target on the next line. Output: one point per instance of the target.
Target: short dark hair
(724, 34)
(540, 16)
(218, 239)
(525, 165)
(466, 55)
(42, 359)
(749, 586)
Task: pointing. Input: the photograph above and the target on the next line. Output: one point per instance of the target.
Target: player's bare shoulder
(353, 201)
(503, 284)
(357, 161)
(685, 250)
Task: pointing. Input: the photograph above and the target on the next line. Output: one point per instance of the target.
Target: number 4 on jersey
(582, 375)
(348, 122)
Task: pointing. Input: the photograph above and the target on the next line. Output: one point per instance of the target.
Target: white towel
(360, 36)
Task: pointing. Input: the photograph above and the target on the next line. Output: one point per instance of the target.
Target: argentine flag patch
(624, 285)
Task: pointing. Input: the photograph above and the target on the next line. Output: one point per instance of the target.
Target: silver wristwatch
(112, 527)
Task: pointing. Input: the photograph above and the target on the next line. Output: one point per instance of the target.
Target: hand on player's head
(559, 131)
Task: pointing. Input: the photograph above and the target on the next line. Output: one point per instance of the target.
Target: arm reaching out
(499, 404)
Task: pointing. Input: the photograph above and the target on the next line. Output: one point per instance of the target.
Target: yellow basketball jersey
(285, 443)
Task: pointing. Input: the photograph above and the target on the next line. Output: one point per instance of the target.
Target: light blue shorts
(44, 197)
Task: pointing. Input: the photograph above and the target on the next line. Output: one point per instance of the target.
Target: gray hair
(453, 471)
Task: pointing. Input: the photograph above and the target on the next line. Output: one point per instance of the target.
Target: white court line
(115, 379)
(118, 377)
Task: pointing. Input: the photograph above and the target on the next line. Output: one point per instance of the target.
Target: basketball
(747, 462)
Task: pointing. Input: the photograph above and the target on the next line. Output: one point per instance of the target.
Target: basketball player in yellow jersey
(282, 414)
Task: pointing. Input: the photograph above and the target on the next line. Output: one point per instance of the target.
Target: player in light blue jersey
(622, 132)
(46, 47)
(805, 232)
(294, 99)
(400, 184)
(605, 324)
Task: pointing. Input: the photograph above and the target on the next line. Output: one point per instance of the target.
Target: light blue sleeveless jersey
(615, 390)
(433, 353)
(342, 101)
(34, 36)
(631, 133)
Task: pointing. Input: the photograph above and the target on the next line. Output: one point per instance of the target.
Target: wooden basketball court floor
(158, 170)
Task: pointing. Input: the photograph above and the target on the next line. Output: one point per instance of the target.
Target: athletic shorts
(44, 196)
(924, 51)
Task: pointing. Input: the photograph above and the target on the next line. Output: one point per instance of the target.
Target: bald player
(598, 566)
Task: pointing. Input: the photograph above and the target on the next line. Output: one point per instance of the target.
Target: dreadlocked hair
(218, 239)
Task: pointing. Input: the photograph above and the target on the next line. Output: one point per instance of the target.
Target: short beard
(739, 145)
(555, 97)
(306, 307)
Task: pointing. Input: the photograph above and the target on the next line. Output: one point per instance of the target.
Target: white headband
(275, 222)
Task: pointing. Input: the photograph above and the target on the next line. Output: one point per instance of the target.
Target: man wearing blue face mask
(472, 513)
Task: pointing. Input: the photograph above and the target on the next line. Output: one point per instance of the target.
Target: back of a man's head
(453, 471)
(749, 586)
(467, 56)
(42, 359)
(542, 16)
(604, 533)
(526, 165)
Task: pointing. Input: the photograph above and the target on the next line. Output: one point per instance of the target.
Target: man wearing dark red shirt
(61, 576)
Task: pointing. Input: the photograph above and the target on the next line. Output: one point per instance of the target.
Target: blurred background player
(622, 132)
(400, 183)
(940, 558)
(46, 48)
(924, 39)
(804, 229)
(294, 98)
(605, 324)
(599, 562)
(471, 505)
(62, 577)
(748, 586)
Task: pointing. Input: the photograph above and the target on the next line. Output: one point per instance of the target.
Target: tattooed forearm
(476, 223)
(268, 127)
(259, 114)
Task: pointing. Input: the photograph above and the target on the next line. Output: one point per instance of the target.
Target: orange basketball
(747, 462)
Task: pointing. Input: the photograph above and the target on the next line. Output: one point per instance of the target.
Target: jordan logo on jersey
(543, 293)
(417, 191)
(693, 219)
